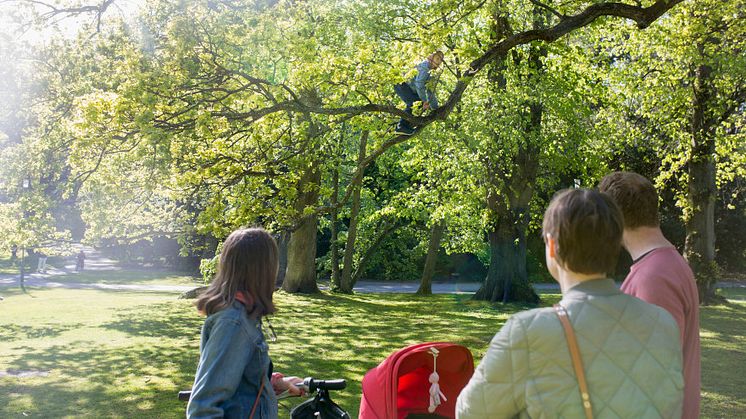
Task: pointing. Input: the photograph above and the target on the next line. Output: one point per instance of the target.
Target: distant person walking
(80, 261)
(41, 267)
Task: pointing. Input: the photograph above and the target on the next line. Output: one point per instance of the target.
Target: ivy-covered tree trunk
(301, 266)
(347, 282)
(701, 192)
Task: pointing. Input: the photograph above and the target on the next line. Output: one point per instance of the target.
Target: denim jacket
(234, 360)
(419, 84)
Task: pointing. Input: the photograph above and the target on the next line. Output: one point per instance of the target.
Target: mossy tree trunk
(511, 186)
(701, 191)
(300, 275)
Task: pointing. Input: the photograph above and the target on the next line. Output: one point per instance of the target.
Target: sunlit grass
(723, 338)
(8, 267)
(143, 277)
(122, 354)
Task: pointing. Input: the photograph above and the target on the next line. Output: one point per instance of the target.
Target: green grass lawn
(8, 267)
(91, 353)
(143, 277)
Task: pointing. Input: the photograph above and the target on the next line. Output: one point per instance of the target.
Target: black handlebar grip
(313, 385)
(334, 384)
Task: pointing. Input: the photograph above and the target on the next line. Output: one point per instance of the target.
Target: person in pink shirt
(659, 274)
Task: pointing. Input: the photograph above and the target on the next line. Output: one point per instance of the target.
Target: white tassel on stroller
(435, 393)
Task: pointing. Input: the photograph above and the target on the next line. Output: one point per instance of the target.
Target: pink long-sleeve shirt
(662, 277)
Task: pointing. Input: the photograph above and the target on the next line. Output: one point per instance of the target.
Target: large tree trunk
(701, 192)
(510, 189)
(436, 235)
(507, 276)
(347, 283)
(301, 270)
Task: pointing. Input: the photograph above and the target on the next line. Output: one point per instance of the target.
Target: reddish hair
(636, 197)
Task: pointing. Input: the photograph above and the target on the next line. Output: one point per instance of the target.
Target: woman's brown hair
(248, 264)
(587, 226)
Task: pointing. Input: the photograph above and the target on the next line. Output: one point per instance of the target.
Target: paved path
(64, 277)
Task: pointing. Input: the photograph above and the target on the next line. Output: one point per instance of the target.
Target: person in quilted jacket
(630, 349)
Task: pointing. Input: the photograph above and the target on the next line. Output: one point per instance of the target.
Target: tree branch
(549, 8)
(643, 16)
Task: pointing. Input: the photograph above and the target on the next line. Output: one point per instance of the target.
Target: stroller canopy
(400, 386)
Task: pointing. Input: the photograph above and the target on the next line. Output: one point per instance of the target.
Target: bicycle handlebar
(310, 385)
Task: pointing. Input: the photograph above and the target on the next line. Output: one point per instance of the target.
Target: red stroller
(404, 386)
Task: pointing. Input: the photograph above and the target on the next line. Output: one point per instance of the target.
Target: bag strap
(258, 397)
(577, 361)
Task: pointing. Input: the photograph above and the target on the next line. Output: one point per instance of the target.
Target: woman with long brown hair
(234, 378)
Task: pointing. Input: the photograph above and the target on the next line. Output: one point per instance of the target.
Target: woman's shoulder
(235, 314)
(536, 319)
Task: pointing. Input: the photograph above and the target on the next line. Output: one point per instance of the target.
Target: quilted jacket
(630, 350)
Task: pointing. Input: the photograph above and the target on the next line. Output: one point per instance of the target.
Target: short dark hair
(636, 197)
(587, 228)
(248, 263)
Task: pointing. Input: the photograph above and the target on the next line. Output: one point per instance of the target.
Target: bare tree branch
(55, 11)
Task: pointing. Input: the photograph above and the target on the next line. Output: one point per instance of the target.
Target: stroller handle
(311, 385)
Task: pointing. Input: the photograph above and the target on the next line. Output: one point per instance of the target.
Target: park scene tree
(150, 131)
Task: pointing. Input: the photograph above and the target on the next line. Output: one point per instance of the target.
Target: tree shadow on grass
(336, 336)
(725, 321)
(14, 332)
(167, 323)
(323, 335)
(343, 336)
(99, 381)
(724, 358)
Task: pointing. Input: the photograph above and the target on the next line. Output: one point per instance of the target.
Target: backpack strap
(577, 361)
